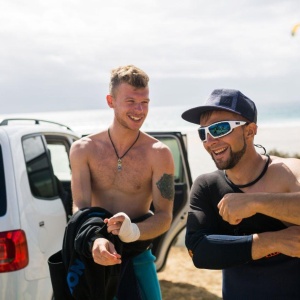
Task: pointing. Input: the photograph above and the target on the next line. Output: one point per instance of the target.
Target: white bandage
(129, 232)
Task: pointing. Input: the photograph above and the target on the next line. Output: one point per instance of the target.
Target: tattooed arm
(162, 194)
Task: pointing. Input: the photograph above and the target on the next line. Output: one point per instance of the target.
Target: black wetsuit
(74, 273)
(215, 244)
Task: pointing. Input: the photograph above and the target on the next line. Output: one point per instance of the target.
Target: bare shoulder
(286, 167)
(289, 162)
(86, 144)
(159, 155)
(156, 148)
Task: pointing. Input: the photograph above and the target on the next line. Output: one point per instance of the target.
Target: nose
(209, 138)
(139, 107)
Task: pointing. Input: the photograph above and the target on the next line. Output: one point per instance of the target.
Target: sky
(57, 55)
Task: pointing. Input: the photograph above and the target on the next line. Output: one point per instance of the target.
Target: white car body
(33, 154)
(42, 221)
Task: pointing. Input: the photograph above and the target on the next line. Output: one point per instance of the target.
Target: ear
(109, 100)
(251, 130)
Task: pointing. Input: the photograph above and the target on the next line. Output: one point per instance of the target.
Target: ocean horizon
(160, 118)
(278, 128)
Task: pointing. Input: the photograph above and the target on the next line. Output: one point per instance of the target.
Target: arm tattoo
(166, 186)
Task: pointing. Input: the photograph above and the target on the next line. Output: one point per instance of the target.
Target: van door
(59, 149)
(182, 181)
(43, 216)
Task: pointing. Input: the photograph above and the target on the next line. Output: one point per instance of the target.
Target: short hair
(207, 114)
(127, 74)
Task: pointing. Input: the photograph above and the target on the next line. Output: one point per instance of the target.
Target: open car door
(176, 141)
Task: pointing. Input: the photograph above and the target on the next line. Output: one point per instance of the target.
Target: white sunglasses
(219, 129)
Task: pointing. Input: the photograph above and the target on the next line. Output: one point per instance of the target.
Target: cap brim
(193, 115)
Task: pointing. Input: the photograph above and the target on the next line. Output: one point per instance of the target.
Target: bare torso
(129, 189)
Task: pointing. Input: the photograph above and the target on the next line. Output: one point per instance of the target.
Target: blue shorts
(145, 271)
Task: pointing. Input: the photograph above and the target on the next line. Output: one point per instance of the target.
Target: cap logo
(228, 101)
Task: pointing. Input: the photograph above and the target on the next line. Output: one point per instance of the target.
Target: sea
(278, 127)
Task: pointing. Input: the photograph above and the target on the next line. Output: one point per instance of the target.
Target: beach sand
(180, 280)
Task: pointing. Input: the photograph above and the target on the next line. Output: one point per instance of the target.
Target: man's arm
(212, 249)
(103, 251)
(286, 241)
(81, 178)
(162, 197)
(205, 240)
(283, 206)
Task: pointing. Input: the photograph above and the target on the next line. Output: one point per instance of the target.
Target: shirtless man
(244, 218)
(124, 170)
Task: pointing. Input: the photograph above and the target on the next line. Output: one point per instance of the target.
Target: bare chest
(130, 175)
(274, 181)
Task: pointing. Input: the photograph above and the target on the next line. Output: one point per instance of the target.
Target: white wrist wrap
(129, 232)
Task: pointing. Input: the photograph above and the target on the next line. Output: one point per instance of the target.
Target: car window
(39, 169)
(60, 160)
(3, 200)
(172, 143)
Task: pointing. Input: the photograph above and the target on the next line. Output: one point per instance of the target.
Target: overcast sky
(57, 55)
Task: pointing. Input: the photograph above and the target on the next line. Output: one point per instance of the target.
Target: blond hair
(127, 74)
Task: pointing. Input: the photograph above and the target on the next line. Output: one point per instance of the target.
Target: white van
(36, 201)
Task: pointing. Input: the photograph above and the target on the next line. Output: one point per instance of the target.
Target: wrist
(263, 245)
(129, 232)
(131, 235)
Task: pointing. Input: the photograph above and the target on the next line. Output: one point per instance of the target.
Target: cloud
(58, 54)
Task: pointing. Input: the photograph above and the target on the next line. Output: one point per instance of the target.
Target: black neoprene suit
(215, 244)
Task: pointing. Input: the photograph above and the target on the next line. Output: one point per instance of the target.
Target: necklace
(120, 157)
(240, 186)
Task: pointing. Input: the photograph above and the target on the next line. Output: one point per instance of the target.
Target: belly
(134, 205)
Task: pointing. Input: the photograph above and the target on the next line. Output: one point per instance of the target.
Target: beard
(234, 158)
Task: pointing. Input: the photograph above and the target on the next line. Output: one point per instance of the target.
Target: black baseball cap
(224, 99)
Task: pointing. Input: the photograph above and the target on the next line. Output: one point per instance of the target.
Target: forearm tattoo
(166, 186)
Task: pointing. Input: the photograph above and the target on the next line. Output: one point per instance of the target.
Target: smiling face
(228, 150)
(130, 105)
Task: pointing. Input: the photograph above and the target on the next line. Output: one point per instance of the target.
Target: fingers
(114, 227)
(104, 253)
(234, 222)
(114, 224)
(224, 212)
(115, 219)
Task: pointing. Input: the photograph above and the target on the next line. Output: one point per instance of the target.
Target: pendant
(119, 164)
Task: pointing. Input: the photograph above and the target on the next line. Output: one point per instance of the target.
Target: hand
(285, 241)
(120, 224)
(104, 253)
(289, 241)
(234, 207)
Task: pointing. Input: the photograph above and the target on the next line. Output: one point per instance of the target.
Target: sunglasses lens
(201, 132)
(219, 129)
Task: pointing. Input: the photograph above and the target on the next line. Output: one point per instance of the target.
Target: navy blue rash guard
(215, 244)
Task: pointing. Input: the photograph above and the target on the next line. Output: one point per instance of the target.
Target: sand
(180, 280)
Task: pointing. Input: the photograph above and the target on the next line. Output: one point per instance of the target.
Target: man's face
(130, 105)
(226, 151)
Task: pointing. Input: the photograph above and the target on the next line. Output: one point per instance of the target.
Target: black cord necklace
(240, 186)
(120, 157)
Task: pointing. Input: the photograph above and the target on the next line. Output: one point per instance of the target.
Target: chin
(221, 164)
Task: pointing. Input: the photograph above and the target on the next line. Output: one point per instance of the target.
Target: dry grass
(180, 280)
